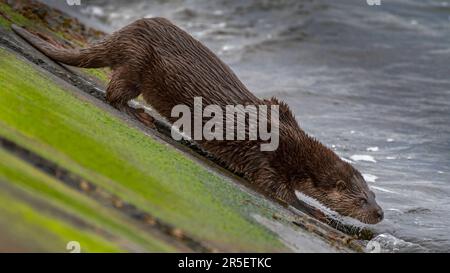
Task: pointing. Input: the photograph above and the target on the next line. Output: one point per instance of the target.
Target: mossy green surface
(87, 140)
(13, 16)
(44, 232)
(53, 193)
(34, 228)
(101, 75)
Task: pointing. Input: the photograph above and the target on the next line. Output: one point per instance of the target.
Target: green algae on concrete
(57, 124)
(6, 10)
(33, 230)
(54, 193)
(100, 75)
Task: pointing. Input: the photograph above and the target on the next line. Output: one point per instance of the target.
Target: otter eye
(340, 185)
(362, 201)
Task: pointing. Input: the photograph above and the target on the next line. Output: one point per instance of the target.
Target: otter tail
(92, 57)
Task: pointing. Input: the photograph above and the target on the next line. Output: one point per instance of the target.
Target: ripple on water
(370, 177)
(367, 158)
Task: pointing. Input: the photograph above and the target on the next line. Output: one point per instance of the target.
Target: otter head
(342, 188)
(306, 165)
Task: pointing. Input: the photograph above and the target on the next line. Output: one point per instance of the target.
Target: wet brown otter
(168, 67)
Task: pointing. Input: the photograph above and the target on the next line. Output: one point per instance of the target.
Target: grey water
(370, 81)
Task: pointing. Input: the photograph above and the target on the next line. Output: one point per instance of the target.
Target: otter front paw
(143, 117)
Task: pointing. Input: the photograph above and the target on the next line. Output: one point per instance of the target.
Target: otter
(167, 66)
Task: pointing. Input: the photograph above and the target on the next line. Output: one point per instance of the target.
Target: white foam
(228, 47)
(367, 158)
(369, 177)
(384, 190)
(396, 210)
(372, 149)
(389, 243)
(346, 160)
(390, 140)
(95, 11)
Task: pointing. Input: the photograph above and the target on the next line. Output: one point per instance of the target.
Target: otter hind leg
(122, 88)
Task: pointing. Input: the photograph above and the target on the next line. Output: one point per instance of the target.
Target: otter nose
(380, 214)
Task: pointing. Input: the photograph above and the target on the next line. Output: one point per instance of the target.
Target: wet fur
(168, 67)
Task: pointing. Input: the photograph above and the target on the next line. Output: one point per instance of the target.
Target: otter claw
(145, 118)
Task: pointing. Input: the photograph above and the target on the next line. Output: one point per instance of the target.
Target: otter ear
(285, 112)
(340, 185)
